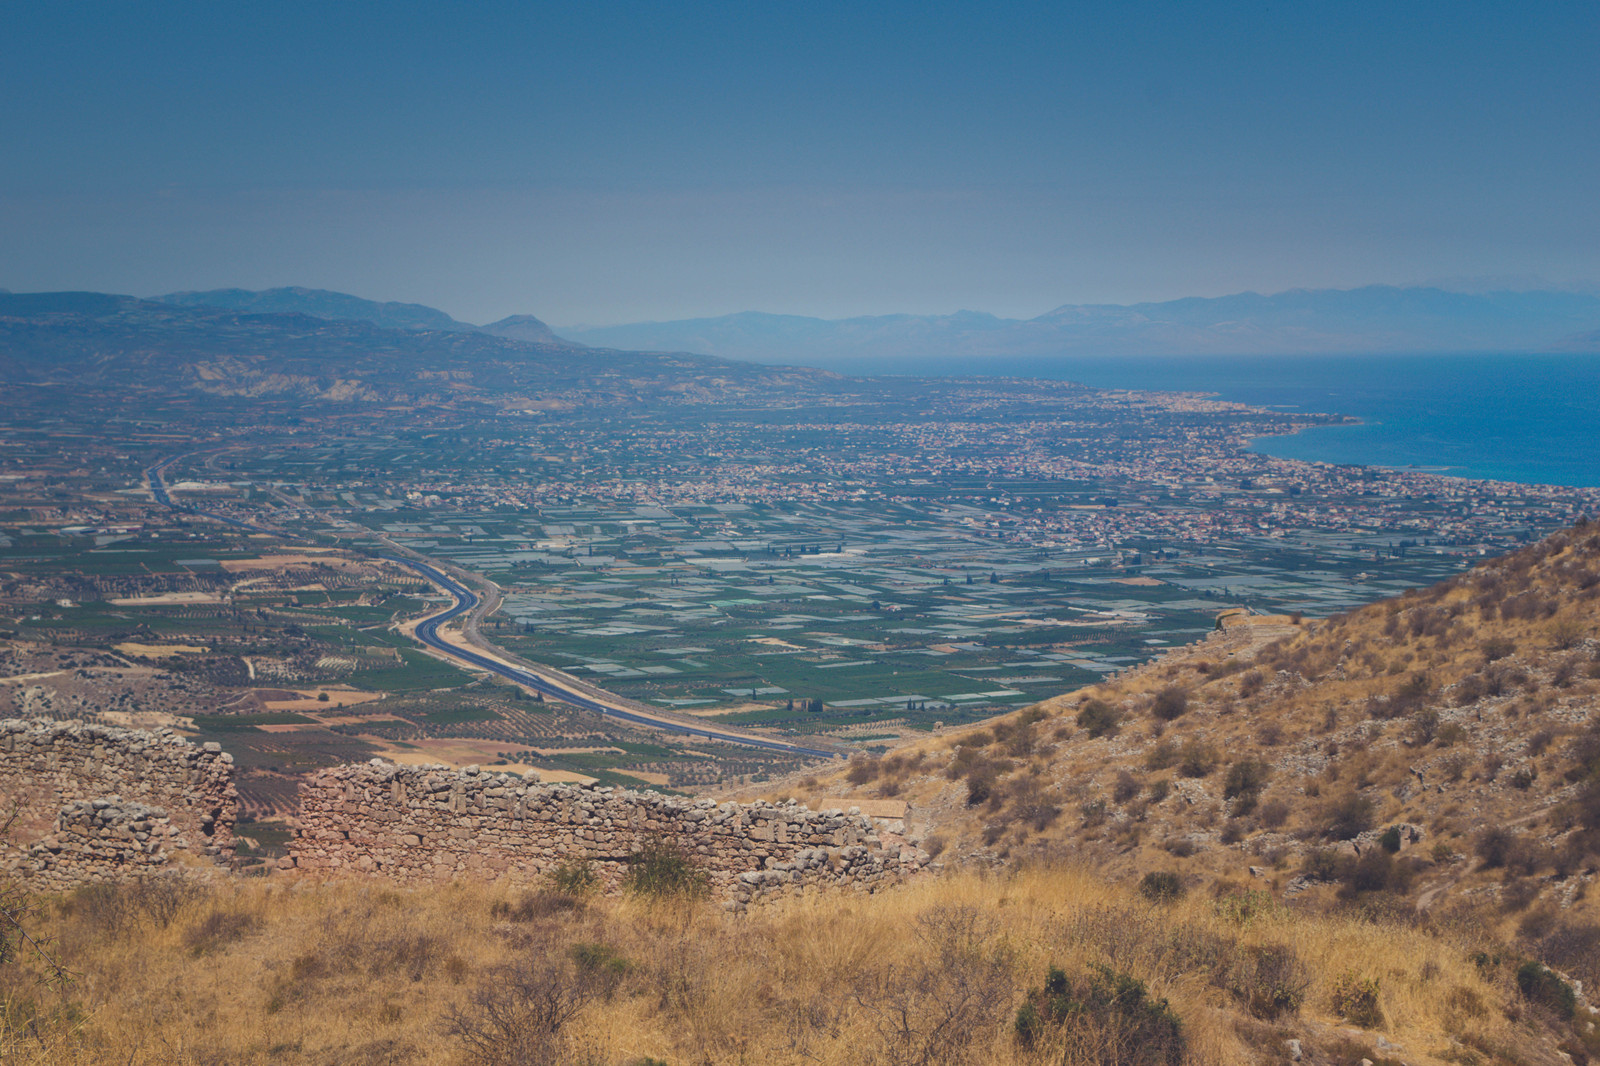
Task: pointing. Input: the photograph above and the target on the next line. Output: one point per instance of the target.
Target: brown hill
(1439, 751)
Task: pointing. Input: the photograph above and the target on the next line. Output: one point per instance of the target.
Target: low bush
(1170, 704)
(1197, 758)
(518, 1014)
(574, 878)
(863, 770)
(1355, 999)
(663, 870)
(1269, 980)
(1575, 947)
(1377, 871)
(1162, 754)
(545, 903)
(1247, 777)
(1104, 1016)
(1542, 985)
(218, 929)
(1161, 886)
(1348, 816)
(1272, 814)
(1325, 864)
(1099, 718)
(1494, 846)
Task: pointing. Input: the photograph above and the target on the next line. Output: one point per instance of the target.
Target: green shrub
(574, 878)
(662, 870)
(1348, 816)
(1028, 1025)
(1542, 985)
(601, 959)
(1325, 864)
(1245, 777)
(1197, 758)
(1111, 1015)
(1171, 703)
(1355, 999)
(1161, 886)
(1099, 718)
(1376, 871)
(1494, 846)
(1270, 980)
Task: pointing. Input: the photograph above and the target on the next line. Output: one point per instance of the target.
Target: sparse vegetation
(664, 871)
(1170, 704)
(1161, 886)
(1098, 718)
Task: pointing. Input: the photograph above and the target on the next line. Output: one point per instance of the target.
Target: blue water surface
(1527, 418)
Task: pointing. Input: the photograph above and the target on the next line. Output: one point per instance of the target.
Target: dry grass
(270, 972)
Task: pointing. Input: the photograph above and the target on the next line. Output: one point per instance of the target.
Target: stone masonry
(96, 803)
(430, 824)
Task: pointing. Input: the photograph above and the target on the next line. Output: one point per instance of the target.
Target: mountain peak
(522, 328)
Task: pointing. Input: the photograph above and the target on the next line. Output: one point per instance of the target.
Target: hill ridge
(1373, 318)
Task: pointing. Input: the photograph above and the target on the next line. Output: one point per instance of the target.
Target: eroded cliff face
(430, 824)
(97, 803)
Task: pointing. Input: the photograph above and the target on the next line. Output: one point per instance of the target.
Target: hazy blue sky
(602, 162)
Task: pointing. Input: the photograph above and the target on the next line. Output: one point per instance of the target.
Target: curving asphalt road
(158, 489)
(466, 600)
(428, 633)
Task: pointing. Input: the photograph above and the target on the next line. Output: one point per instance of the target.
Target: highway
(428, 633)
(158, 489)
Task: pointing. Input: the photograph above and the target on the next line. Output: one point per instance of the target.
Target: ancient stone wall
(94, 802)
(421, 824)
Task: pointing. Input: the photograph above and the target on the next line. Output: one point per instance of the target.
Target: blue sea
(1527, 418)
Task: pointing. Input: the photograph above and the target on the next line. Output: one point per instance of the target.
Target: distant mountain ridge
(342, 307)
(98, 342)
(1373, 319)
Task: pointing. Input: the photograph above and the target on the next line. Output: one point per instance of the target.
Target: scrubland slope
(1028, 966)
(1464, 715)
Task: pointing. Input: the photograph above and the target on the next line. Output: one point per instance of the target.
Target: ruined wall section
(95, 802)
(422, 824)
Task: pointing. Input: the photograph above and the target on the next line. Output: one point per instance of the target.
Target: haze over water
(1533, 419)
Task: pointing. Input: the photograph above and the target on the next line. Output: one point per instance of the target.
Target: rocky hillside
(1437, 751)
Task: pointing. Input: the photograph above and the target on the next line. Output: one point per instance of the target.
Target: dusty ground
(337, 697)
(156, 651)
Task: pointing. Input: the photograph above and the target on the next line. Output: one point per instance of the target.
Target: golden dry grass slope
(1029, 966)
